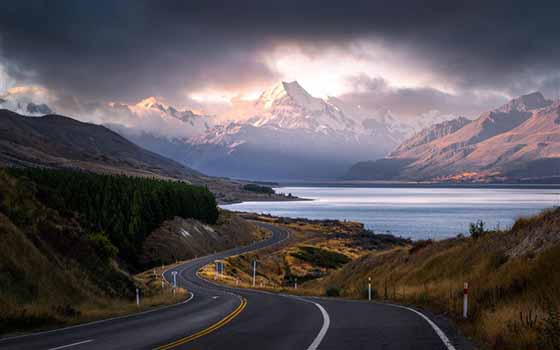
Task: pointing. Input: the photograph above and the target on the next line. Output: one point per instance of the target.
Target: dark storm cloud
(375, 94)
(131, 49)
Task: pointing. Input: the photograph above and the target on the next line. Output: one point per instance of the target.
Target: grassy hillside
(48, 262)
(118, 212)
(71, 241)
(314, 249)
(513, 278)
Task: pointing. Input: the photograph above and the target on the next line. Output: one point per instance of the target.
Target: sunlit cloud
(223, 96)
(325, 72)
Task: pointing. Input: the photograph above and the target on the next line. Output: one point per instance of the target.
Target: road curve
(217, 317)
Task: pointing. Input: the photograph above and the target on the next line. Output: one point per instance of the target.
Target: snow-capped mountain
(289, 135)
(399, 128)
(199, 123)
(289, 106)
(149, 116)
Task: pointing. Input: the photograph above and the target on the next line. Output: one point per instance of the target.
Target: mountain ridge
(497, 146)
(60, 142)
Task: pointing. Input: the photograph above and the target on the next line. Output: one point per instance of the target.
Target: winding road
(216, 317)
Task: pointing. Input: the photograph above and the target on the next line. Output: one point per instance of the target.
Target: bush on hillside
(258, 189)
(321, 257)
(477, 229)
(332, 292)
(103, 246)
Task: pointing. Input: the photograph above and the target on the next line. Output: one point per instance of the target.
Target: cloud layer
(453, 57)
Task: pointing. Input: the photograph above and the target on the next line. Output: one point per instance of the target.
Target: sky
(408, 57)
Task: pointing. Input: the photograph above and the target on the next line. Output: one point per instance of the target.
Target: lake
(417, 213)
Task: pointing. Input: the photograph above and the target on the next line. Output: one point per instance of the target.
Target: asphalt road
(217, 317)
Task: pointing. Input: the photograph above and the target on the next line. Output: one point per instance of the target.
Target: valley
(260, 175)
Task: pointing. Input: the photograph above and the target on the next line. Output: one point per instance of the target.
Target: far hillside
(59, 142)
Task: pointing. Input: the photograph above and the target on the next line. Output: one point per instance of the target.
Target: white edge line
(99, 321)
(73, 344)
(326, 323)
(438, 330)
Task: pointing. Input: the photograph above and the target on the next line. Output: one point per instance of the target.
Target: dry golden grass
(278, 268)
(513, 275)
(513, 278)
(51, 313)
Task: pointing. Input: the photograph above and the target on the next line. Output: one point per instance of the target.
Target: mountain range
(287, 135)
(517, 141)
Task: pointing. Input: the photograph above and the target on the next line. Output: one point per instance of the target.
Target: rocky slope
(519, 140)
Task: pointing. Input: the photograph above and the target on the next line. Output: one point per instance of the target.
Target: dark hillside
(123, 209)
(61, 142)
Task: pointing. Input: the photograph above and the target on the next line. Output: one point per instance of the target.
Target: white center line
(324, 329)
(73, 344)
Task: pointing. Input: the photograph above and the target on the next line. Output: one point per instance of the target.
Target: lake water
(417, 213)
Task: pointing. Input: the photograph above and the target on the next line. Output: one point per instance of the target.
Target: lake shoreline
(411, 212)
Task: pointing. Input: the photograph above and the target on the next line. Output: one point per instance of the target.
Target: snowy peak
(289, 93)
(152, 104)
(148, 102)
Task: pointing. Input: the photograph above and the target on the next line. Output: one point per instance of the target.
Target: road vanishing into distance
(216, 317)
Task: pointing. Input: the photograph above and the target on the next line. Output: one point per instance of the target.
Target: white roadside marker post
(295, 284)
(174, 273)
(369, 288)
(137, 297)
(162, 281)
(237, 282)
(254, 271)
(465, 300)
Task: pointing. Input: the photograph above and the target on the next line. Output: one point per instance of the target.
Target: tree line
(122, 208)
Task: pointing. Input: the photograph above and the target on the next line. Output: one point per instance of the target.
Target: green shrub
(103, 246)
(258, 189)
(321, 257)
(477, 229)
(333, 292)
